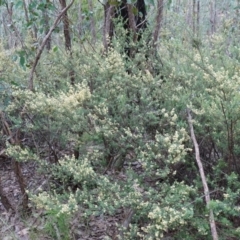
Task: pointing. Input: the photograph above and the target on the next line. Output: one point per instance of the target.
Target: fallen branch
(30, 81)
(203, 177)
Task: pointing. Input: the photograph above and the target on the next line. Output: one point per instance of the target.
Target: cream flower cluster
(80, 170)
(52, 203)
(41, 103)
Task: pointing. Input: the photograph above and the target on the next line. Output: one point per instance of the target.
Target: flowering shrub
(117, 139)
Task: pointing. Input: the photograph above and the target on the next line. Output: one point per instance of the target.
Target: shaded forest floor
(20, 226)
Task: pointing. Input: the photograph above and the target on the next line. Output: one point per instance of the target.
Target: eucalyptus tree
(133, 16)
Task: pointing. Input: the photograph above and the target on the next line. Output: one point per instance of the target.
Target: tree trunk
(80, 19)
(47, 26)
(188, 13)
(92, 20)
(108, 25)
(194, 17)
(159, 19)
(67, 36)
(212, 16)
(198, 18)
(66, 29)
(133, 17)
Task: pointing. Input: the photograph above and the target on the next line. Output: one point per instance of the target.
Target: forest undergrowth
(110, 155)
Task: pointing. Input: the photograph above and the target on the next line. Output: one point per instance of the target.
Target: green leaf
(22, 60)
(55, 49)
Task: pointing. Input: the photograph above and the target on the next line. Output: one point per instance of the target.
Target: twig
(203, 177)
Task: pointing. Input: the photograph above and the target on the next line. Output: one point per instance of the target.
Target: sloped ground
(21, 227)
(17, 225)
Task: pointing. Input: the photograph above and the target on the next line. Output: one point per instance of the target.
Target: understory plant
(117, 139)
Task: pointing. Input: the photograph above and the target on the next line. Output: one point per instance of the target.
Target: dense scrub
(118, 139)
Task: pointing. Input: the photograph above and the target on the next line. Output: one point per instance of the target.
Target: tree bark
(107, 29)
(80, 19)
(131, 17)
(66, 29)
(189, 13)
(67, 36)
(159, 19)
(198, 18)
(47, 26)
(213, 16)
(194, 17)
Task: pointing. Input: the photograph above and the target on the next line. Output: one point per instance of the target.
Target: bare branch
(203, 177)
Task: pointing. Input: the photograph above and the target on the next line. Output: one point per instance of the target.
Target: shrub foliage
(117, 140)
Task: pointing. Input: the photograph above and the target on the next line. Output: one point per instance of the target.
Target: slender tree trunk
(67, 36)
(47, 26)
(159, 19)
(212, 16)
(107, 28)
(188, 13)
(194, 17)
(92, 20)
(25, 11)
(6, 32)
(66, 28)
(80, 19)
(198, 18)
(131, 17)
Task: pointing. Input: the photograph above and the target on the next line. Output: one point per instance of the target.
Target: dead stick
(203, 177)
(30, 81)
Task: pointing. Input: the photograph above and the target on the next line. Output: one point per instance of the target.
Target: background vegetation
(95, 98)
